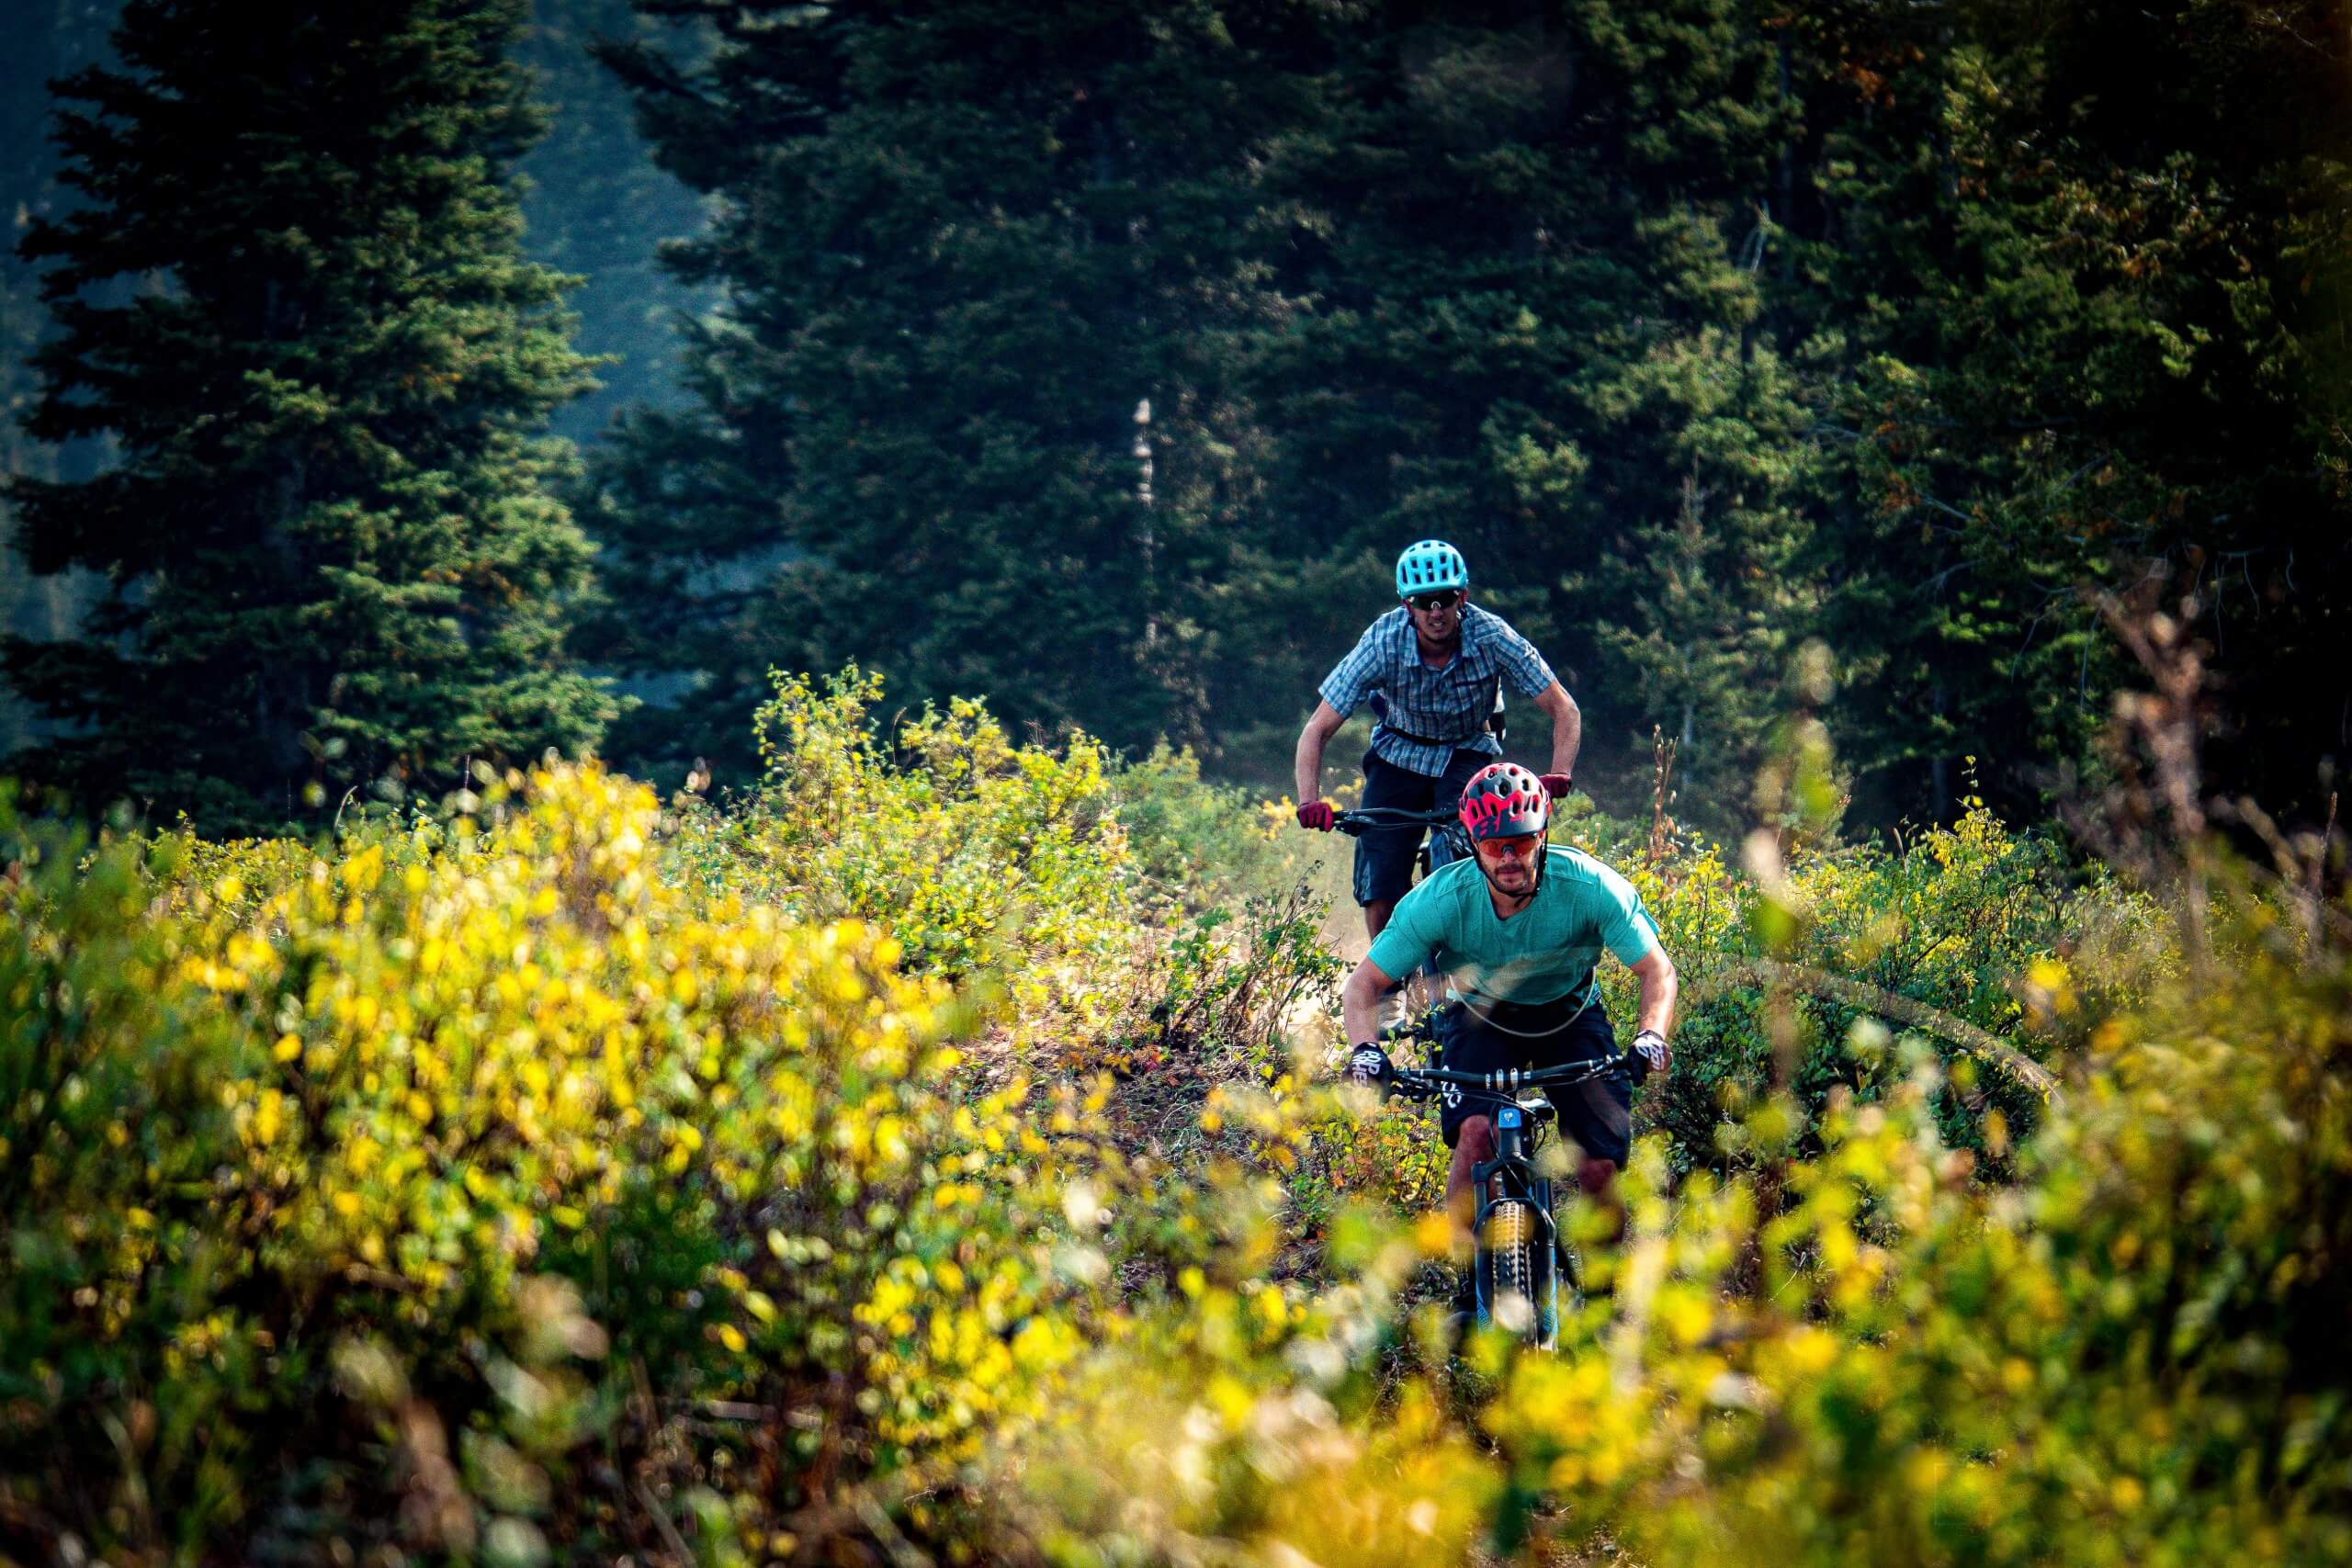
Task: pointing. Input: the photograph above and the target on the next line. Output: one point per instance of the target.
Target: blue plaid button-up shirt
(1448, 706)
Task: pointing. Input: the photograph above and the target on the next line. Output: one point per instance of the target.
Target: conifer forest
(658, 901)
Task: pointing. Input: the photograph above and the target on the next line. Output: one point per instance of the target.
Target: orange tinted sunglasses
(1512, 846)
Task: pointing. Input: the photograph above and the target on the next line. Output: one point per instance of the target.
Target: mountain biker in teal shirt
(1520, 929)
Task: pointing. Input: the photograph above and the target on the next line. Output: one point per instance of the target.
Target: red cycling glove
(1316, 813)
(1555, 784)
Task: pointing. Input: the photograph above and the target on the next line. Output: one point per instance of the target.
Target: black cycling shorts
(1482, 1038)
(1385, 856)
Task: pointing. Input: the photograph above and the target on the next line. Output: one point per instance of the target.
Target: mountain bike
(1524, 1274)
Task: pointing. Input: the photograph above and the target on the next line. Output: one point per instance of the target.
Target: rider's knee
(1475, 1140)
(1595, 1175)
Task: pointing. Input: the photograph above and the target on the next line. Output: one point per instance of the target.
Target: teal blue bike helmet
(1430, 567)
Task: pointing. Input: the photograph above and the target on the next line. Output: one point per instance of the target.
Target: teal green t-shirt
(1540, 954)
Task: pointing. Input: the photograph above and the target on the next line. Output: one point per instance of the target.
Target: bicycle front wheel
(1516, 1276)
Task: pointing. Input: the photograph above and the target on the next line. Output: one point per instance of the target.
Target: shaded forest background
(1100, 359)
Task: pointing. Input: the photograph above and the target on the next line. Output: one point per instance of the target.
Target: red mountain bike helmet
(1503, 800)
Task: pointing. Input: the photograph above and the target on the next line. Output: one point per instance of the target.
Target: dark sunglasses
(1445, 601)
(1518, 846)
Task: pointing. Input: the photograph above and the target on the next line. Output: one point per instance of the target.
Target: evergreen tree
(2086, 266)
(1701, 615)
(330, 544)
(968, 246)
(1705, 328)
(1528, 247)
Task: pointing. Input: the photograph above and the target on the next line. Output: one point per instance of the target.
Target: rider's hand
(1316, 813)
(1650, 1055)
(1556, 786)
(1368, 1064)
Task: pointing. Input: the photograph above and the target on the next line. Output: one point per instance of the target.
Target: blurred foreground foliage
(921, 1159)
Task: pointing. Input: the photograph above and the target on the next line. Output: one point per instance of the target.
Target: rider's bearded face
(1439, 625)
(1510, 861)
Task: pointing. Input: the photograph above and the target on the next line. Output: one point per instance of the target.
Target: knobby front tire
(1515, 1265)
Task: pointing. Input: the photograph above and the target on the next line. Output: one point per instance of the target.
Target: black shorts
(1384, 857)
(1597, 1114)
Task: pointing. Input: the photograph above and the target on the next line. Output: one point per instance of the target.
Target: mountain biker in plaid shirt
(1431, 668)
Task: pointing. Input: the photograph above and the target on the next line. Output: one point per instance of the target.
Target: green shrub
(506, 1149)
(575, 1178)
(1960, 932)
(1208, 845)
(2125, 1355)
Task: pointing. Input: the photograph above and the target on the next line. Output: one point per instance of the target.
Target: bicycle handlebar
(1367, 818)
(1420, 1083)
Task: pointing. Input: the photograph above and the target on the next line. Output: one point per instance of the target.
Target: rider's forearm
(1659, 985)
(1307, 763)
(1360, 1002)
(1567, 735)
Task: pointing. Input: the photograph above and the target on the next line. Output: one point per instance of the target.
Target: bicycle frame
(1509, 1180)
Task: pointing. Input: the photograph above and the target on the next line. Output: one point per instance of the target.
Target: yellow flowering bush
(969, 849)
(1015, 867)
(572, 1176)
(2125, 1356)
(496, 1130)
